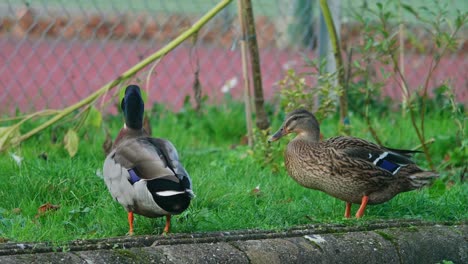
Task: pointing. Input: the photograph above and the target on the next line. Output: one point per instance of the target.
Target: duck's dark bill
(276, 136)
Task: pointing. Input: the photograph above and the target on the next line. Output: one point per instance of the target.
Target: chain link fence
(56, 52)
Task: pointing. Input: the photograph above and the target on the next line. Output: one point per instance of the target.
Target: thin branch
(45, 112)
(402, 82)
(148, 76)
(424, 96)
(127, 74)
(420, 131)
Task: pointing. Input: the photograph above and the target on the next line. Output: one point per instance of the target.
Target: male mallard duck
(348, 168)
(142, 173)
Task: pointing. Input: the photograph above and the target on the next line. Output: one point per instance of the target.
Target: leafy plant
(266, 154)
(296, 90)
(381, 28)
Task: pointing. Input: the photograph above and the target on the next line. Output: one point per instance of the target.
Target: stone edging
(376, 242)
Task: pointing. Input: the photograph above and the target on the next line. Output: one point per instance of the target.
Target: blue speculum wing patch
(133, 176)
(387, 165)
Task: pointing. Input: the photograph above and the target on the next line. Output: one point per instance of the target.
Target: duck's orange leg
(347, 212)
(130, 223)
(362, 208)
(167, 228)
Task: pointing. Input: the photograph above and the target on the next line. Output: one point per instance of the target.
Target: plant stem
(130, 72)
(338, 59)
(420, 131)
(45, 112)
(402, 56)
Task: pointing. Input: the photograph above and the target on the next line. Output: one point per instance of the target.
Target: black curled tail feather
(405, 152)
(185, 183)
(174, 204)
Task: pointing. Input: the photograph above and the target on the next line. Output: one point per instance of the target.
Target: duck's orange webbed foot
(130, 223)
(347, 213)
(167, 228)
(362, 208)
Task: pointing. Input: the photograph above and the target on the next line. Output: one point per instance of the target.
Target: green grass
(223, 179)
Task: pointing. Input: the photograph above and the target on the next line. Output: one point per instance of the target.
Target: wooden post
(245, 73)
(249, 24)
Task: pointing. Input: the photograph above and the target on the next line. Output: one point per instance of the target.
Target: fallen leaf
(449, 184)
(71, 142)
(285, 201)
(244, 140)
(16, 158)
(99, 173)
(447, 157)
(256, 191)
(45, 208)
(16, 210)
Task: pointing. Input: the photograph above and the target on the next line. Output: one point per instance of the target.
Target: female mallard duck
(350, 169)
(142, 173)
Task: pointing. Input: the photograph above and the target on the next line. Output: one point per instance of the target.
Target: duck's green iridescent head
(133, 107)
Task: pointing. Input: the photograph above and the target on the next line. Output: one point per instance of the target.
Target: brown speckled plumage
(347, 168)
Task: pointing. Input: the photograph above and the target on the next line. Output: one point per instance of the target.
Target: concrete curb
(377, 242)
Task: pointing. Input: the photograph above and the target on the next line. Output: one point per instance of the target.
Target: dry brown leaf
(447, 157)
(45, 208)
(256, 191)
(285, 201)
(244, 140)
(449, 184)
